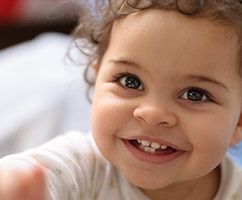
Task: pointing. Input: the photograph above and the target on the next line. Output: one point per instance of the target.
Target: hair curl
(92, 34)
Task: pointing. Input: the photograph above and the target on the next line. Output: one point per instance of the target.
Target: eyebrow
(123, 61)
(202, 78)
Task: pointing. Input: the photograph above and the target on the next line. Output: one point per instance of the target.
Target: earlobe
(237, 136)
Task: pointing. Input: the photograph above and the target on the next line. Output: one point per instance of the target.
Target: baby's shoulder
(75, 145)
(231, 181)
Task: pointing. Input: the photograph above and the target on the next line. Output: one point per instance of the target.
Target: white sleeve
(69, 162)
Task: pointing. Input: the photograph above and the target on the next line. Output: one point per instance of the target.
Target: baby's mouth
(153, 147)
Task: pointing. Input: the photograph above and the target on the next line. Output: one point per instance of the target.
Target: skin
(168, 54)
(22, 184)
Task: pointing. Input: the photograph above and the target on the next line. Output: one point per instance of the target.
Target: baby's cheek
(213, 150)
(108, 112)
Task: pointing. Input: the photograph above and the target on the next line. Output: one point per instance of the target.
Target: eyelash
(122, 75)
(208, 96)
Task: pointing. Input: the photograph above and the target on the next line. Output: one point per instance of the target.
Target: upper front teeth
(163, 146)
(154, 145)
(145, 143)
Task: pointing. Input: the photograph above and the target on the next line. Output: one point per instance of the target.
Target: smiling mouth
(153, 147)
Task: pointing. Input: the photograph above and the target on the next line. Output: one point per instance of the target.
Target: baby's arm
(67, 166)
(22, 184)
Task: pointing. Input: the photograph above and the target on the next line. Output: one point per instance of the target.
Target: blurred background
(42, 93)
(22, 20)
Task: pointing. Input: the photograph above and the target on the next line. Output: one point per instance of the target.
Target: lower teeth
(150, 150)
(146, 149)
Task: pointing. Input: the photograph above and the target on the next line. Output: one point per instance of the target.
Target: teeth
(150, 145)
(141, 146)
(155, 145)
(148, 149)
(145, 143)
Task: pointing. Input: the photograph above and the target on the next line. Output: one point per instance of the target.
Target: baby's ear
(237, 136)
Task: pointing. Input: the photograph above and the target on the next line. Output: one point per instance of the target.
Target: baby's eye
(195, 94)
(131, 82)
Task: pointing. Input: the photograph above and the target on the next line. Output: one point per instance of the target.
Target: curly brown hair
(92, 34)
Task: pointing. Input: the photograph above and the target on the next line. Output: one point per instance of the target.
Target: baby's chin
(147, 182)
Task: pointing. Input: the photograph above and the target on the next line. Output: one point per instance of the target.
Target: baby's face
(167, 98)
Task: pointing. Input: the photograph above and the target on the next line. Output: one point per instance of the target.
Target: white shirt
(76, 170)
(231, 181)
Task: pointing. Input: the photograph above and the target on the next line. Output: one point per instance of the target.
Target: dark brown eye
(195, 94)
(131, 82)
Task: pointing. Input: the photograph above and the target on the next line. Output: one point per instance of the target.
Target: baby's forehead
(170, 27)
(164, 20)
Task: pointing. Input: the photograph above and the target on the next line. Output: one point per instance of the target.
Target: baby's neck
(204, 188)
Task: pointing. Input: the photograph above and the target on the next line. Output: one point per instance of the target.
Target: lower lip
(152, 158)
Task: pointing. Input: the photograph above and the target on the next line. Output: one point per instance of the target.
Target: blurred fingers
(22, 184)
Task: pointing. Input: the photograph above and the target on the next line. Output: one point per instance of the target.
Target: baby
(167, 105)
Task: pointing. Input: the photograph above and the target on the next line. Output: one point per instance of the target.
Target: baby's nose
(156, 113)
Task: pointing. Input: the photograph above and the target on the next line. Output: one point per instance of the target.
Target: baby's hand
(22, 184)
